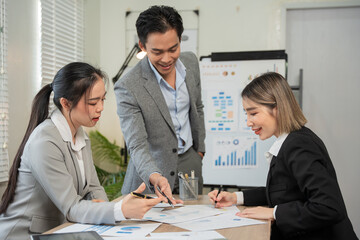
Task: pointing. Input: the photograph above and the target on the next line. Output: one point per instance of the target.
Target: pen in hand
(139, 195)
(218, 194)
(171, 204)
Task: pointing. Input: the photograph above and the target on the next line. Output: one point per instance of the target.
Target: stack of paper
(200, 219)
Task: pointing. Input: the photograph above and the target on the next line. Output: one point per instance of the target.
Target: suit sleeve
(200, 110)
(322, 204)
(50, 171)
(133, 128)
(255, 197)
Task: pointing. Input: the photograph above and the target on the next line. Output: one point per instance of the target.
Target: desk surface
(254, 232)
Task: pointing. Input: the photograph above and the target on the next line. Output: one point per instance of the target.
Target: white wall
(23, 64)
(234, 25)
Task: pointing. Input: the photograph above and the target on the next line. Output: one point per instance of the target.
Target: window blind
(62, 35)
(4, 99)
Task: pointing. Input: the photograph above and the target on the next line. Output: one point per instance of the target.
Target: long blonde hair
(272, 90)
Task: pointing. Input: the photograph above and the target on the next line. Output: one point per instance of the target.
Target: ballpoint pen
(139, 195)
(171, 204)
(218, 194)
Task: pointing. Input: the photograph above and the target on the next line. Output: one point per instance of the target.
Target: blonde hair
(272, 90)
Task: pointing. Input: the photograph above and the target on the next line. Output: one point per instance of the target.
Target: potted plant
(109, 162)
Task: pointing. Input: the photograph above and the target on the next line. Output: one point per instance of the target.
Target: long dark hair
(70, 82)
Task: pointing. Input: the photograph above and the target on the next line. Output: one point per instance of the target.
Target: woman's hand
(257, 213)
(134, 207)
(224, 199)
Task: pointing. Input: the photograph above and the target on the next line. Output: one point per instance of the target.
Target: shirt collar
(62, 125)
(275, 148)
(179, 66)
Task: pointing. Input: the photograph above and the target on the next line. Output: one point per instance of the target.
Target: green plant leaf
(109, 164)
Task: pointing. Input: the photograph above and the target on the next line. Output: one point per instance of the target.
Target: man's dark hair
(158, 19)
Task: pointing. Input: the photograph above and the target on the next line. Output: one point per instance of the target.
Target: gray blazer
(147, 125)
(49, 188)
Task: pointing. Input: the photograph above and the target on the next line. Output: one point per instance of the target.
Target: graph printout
(128, 230)
(235, 152)
(222, 110)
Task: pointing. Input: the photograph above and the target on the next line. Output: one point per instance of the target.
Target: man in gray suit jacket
(160, 108)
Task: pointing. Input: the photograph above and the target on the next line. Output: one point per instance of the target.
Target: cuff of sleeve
(118, 214)
(275, 212)
(240, 198)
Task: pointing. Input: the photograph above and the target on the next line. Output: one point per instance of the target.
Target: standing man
(160, 108)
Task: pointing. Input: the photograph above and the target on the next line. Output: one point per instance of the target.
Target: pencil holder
(188, 188)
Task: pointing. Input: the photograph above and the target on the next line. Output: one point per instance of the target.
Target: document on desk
(186, 213)
(164, 205)
(217, 222)
(123, 229)
(205, 235)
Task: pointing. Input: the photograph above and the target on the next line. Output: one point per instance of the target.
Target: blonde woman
(302, 193)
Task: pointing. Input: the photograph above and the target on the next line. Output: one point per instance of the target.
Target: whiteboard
(235, 156)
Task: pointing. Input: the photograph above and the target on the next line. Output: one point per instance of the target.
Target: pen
(218, 194)
(139, 195)
(172, 205)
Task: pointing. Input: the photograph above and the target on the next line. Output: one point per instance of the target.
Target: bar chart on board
(238, 152)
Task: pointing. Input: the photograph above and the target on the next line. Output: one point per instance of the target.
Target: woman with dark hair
(302, 191)
(53, 179)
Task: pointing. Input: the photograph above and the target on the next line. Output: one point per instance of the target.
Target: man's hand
(157, 180)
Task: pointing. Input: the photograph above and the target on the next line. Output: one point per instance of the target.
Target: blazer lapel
(78, 182)
(87, 169)
(152, 86)
(190, 84)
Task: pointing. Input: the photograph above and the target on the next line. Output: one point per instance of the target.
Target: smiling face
(163, 50)
(88, 111)
(261, 119)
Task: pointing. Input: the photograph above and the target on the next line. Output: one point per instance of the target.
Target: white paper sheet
(183, 214)
(164, 205)
(128, 230)
(186, 213)
(217, 222)
(205, 235)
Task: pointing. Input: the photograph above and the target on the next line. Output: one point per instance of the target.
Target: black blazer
(302, 183)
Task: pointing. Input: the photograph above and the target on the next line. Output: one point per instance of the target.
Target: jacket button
(174, 150)
(172, 173)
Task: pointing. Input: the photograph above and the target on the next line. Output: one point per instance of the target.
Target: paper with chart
(205, 235)
(222, 112)
(217, 222)
(242, 162)
(186, 213)
(128, 230)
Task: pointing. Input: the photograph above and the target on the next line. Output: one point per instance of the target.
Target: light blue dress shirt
(178, 102)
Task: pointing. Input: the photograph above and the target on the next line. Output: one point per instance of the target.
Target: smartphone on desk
(91, 235)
